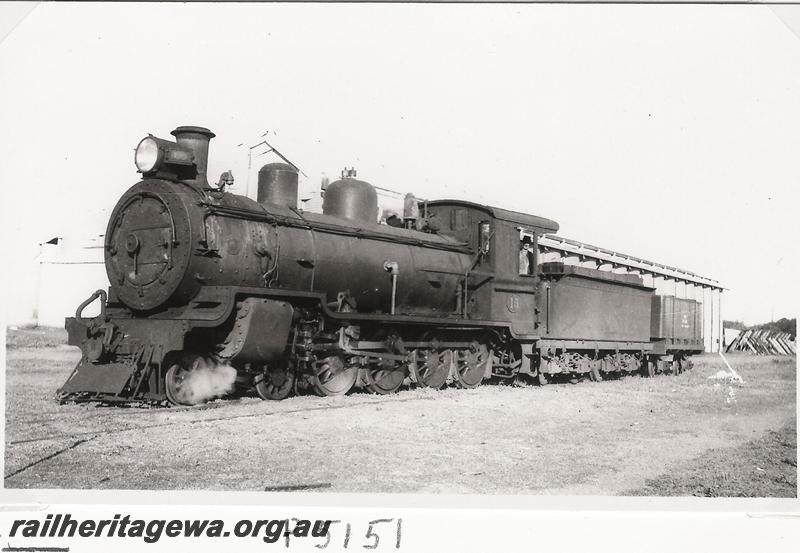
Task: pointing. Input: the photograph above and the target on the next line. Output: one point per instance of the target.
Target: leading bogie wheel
(332, 377)
(471, 365)
(177, 384)
(275, 381)
(173, 383)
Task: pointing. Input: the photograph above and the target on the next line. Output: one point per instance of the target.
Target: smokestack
(196, 140)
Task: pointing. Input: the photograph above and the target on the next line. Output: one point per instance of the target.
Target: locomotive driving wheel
(332, 377)
(433, 367)
(384, 378)
(276, 381)
(471, 365)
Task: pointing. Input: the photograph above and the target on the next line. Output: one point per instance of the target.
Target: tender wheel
(471, 366)
(541, 378)
(433, 367)
(275, 382)
(385, 378)
(594, 372)
(332, 377)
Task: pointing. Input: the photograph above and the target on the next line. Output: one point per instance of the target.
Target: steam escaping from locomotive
(208, 379)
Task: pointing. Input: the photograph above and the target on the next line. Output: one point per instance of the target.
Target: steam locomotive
(287, 299)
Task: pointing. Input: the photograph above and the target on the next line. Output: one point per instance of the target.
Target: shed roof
(584, 250)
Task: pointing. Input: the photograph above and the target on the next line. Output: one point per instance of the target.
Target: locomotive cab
(497, 289)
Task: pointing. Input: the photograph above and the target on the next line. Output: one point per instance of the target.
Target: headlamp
(148, 155)
(153, 153)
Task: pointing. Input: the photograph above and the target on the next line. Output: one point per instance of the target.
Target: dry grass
(586, 438)
(765, 467)
(35, 337)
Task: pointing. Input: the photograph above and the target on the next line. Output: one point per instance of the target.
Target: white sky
(667, 132)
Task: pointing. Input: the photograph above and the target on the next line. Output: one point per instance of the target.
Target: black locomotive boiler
(285, 299)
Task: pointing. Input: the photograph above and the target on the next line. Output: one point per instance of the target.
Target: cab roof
(539, 224)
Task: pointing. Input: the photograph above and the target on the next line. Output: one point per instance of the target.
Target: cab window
(458, 219)
(527, 253)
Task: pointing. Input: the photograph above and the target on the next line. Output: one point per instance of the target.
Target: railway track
(79, 438)
(172, 423)
(118, 413)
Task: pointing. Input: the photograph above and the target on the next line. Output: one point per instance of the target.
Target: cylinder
(196, 140)
(277, 184)
(351, 199)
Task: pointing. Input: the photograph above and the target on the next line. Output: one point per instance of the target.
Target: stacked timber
(764, 342)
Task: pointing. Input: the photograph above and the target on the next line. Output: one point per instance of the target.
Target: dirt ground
(728, 472)
(635, 436)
